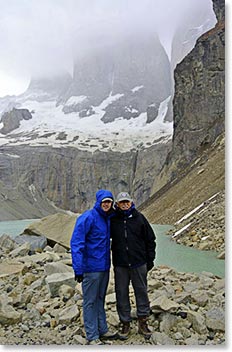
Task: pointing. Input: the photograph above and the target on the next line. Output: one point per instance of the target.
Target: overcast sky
(40, 38)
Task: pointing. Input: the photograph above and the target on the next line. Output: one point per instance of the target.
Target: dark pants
(138, 278)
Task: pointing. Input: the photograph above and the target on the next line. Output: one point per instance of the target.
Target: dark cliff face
(199, 102)
(36, 179)
(219, 9)
(137, 68)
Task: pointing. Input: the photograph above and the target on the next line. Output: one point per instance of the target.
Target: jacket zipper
(125, 234)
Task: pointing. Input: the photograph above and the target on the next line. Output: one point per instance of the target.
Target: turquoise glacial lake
(168, 252)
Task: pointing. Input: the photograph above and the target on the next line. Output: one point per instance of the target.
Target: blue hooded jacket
(90, 242)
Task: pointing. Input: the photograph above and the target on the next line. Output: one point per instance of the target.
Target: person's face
(124, 204)
(106, 205)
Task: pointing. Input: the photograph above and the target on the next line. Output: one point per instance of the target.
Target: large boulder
(56, 228)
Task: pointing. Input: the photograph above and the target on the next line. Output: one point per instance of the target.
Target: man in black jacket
(133, 250)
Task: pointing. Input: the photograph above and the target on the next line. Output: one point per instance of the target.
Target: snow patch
(89, 133)
(195, 209)
(75, 100)
(10, 155)
(135, 89)
(32, 189)
(181, 230)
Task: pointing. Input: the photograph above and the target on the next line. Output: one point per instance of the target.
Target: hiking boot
(95, 342)
(109, 335)
(143, 328)
(124, 330)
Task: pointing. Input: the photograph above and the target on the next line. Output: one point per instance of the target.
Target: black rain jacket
(133, 240)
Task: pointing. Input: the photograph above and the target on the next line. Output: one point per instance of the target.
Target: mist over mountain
(42, 40)
(121, 87)
(119, 91)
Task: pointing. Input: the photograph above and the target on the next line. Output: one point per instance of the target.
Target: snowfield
(51, 126)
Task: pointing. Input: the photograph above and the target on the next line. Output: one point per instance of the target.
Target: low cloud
(43, 37)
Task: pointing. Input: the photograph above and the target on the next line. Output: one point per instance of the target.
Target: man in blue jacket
(90, 248)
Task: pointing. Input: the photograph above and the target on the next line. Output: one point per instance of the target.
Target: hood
(101, 194)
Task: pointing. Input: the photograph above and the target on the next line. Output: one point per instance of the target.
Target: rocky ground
(40, 303)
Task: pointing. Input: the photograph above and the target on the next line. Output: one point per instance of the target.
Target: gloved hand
(78, 278)
(150, 265)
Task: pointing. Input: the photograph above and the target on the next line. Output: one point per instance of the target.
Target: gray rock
(21, 250)
(38, 284)
(152, 112)
(56, 228)
(113, 319)
(198, 322)
(11, 120)
(221, 255)
(79, 340)
(111, 298)
(57, 267)
(36, 242)
(168, 321)
(55, 281)
(7, 243)
(201, 298)
(11, 269)
(162, 303)
(160, 338)
(69, 314)
(8, 315)
(193, 340)
(66, 292)
(215, 319)
(59, 249)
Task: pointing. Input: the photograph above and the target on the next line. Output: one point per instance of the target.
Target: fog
(40, 38)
